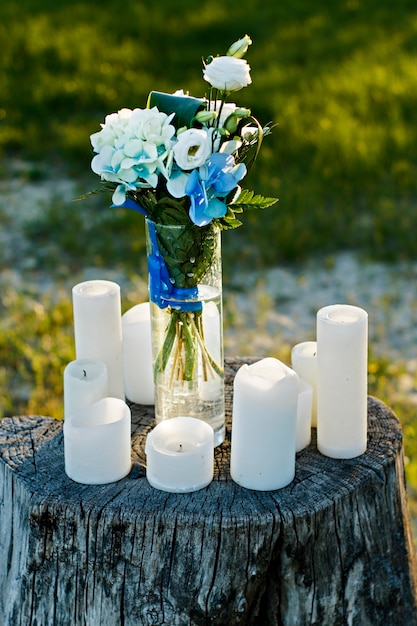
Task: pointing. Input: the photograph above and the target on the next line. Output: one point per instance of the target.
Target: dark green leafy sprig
(187, 251)
(244, 200)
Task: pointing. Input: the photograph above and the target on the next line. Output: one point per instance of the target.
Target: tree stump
(332, 548)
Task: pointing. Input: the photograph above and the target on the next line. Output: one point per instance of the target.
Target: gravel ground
(290, 298)
(263, 310)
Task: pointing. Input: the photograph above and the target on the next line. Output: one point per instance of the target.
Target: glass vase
(185, 292)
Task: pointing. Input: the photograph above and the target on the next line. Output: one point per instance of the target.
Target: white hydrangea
(132, 148)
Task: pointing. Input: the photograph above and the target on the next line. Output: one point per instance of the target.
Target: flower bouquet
(179, 161)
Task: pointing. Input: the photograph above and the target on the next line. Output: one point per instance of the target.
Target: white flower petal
(133, 147)
(176, 184)
(119, 195)
(227, 73)
(193, 148)
(229, 147)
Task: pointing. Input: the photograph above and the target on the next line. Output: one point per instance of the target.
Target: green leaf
(187, 250)
(105, 186)
(248, 200)
(230, 222)
(245, 199)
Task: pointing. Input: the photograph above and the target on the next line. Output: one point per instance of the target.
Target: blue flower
(210, 184)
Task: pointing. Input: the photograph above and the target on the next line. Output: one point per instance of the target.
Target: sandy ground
(263, 310)
(287, 300)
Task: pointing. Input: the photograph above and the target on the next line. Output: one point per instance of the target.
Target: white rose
(227, 73)
(193, 148)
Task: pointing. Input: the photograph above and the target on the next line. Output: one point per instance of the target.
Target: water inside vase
(190, 380)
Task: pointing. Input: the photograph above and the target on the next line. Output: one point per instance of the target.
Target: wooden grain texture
(333, 548)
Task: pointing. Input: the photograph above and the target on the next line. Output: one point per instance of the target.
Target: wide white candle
(264, 425)
(98, 328)
(85, 382)
(342, 360)
(97, 442)
(180, 455)
(304, 411)
(137, 354)
(304, 362)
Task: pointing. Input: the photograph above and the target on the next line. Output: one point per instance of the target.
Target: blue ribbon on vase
(162, 291)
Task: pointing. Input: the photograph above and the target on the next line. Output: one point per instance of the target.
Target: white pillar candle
(342, 360)
(304, 406)
(137, 354)
(180, 455)
(98, 328)
(97, 442)
(212, 387)
(85, 382)
(304, 362)
(264, 425)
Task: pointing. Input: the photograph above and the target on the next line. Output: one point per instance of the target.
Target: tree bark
(333, 548)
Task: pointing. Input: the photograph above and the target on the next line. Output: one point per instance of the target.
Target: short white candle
(304, 362)
(97, 442)
(98, 328)
(180, 455)
(137, 354)
(304, 410)
(342, 384)
(264, 425)
(85, 382)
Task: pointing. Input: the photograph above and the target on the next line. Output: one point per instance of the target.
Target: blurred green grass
(338, 78)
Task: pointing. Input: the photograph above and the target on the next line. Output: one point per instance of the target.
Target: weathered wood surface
(333, 548)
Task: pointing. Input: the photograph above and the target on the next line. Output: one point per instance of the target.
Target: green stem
(190, 350)
(164, 353)
(183, 337)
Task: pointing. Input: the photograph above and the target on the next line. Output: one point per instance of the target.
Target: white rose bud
(205, 116)
(227, 73)
(233, 120)
(240, 47)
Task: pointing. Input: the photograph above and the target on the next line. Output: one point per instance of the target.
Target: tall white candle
(137, 354)
(85, 382)
(212, 386)
(97, 442)
(304, 406)
(264, 425)
(180, 455)
(98, 328)
(304, 362)
(342, 359)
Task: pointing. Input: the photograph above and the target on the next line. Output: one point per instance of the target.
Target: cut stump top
(32, 446)
(332, 548)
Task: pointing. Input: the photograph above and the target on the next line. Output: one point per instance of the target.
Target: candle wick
(85, 374)
(180, 447)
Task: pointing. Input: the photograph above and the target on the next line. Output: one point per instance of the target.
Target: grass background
(339, 79)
